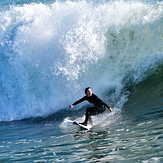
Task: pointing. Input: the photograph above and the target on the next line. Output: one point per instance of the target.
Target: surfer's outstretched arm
(77, 102)
(71, 106)
(108, 107)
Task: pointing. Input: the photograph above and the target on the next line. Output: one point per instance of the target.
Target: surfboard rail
(83, 126)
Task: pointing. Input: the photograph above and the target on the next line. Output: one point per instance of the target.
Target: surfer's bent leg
(93, 111)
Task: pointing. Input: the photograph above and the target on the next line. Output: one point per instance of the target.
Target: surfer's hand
(110, 109)
(71, 106)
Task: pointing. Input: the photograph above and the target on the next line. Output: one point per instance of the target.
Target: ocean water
(51, 50)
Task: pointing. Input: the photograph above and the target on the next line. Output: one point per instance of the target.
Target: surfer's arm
(108, 107)
(103, 103)
(71, 106)
(77, 102)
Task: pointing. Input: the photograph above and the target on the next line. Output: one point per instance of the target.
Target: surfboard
(83, 126)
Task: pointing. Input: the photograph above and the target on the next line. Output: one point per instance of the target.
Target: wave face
(50, 52)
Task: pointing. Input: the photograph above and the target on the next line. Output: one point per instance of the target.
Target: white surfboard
(83, 126)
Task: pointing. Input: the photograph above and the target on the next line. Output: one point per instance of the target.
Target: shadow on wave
(146, 101)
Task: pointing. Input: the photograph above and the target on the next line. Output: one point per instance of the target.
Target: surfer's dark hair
(87, 89)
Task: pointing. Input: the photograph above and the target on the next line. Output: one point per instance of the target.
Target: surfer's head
(88, 91)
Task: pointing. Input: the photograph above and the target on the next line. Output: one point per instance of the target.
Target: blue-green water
(51, 50)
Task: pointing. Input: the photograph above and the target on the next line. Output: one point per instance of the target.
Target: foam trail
(50, 53)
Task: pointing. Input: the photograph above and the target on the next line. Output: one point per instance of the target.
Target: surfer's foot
(85, 124)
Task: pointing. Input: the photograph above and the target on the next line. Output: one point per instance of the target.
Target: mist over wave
(50, 52)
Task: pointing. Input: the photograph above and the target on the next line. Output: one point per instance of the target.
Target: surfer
(99, 105)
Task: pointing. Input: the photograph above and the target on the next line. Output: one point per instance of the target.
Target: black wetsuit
(99, 106)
